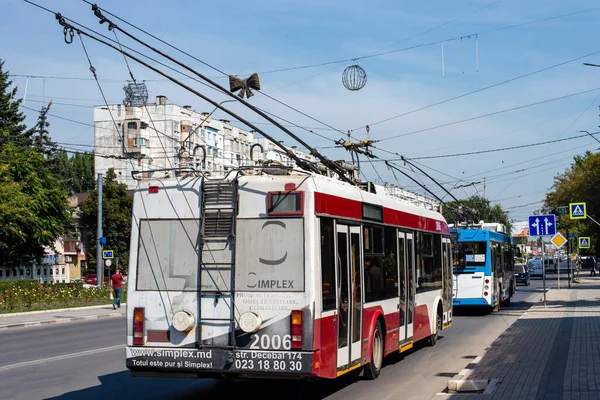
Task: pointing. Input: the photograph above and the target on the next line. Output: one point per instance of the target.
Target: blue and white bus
(483, 266)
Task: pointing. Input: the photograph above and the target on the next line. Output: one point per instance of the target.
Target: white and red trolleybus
(281, 275)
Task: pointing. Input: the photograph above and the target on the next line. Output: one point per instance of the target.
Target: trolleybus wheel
(438, 327)
(497, 298)
(373, 369)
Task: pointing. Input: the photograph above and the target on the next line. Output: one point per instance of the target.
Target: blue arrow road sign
(542, 225)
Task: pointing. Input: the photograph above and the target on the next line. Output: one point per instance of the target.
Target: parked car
(551, 265)
(85, 285)
(92, 279)
(522, 274)
(535, 268)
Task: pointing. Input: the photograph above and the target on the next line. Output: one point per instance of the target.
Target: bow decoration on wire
(244, 85)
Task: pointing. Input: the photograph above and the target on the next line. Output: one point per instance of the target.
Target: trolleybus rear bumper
(206, 361)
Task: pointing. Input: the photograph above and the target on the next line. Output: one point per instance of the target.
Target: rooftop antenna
(135, 94)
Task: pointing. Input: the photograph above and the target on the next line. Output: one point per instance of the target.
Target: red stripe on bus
(341, 207)
(402, 218)
(421, 325)
(337, 206)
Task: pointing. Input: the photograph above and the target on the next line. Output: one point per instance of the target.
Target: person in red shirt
(116, 283)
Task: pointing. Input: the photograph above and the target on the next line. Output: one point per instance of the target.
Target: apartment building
(163, 136)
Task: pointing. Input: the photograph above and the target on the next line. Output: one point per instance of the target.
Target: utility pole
(99, 234)
(484, 187)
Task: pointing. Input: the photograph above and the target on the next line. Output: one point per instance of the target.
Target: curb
(62, 321)
(57, 310)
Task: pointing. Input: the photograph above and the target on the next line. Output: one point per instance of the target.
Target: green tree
(12, 126)
(82, 172)
(61, 167)
(116, 214)
(579, 183)
(40, 139)
(33, 207)
(457, 211)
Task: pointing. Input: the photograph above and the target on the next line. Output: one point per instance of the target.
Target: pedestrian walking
(116, 284)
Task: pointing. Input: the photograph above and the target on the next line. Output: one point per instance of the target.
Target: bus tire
(506, 302)
(373, 369)
(438, 327)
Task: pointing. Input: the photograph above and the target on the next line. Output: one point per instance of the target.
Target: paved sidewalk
(548, 353)
(20, 320)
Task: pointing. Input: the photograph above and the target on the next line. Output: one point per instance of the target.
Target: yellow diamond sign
(558, 240)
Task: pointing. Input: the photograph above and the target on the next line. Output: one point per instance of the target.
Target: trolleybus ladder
(217, 268)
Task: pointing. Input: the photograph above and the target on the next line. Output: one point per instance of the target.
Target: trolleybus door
(402, 293)
(349, 287)
(410, 284)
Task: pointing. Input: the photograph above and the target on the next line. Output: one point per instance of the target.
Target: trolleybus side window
(327, 264)
(381, 265)
(496, 257)
(390, 263)
(508, 257)
(429, 266)
(373, 257)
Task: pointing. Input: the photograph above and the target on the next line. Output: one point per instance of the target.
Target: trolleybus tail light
(153, 189)
(297, 329)
(138, 326)
(487, 281)
(485, 294)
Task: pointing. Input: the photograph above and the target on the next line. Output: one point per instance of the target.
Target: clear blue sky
(244, 37)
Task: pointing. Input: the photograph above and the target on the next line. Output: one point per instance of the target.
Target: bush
(29, 295)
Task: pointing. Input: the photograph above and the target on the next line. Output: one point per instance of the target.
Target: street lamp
(592, 136)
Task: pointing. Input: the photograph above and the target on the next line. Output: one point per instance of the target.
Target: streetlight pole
(592, 136)
(99, 234)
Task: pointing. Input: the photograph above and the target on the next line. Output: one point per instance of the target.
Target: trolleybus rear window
(470, 254)
(168, 255)
(270, 255)
(285, 203)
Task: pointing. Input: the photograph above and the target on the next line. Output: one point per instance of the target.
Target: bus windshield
(469, 254)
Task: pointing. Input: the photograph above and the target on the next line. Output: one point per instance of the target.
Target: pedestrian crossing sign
(584, 242)
(577, 210)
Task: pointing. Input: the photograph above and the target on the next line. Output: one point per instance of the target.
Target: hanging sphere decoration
(354, 78)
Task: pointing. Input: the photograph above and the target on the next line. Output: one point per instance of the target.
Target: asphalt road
(85, 360)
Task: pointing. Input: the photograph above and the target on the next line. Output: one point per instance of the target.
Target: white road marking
(62, 357)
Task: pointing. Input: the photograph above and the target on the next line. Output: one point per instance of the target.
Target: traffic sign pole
(568, 258)
(590, 217)
(544, 272)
